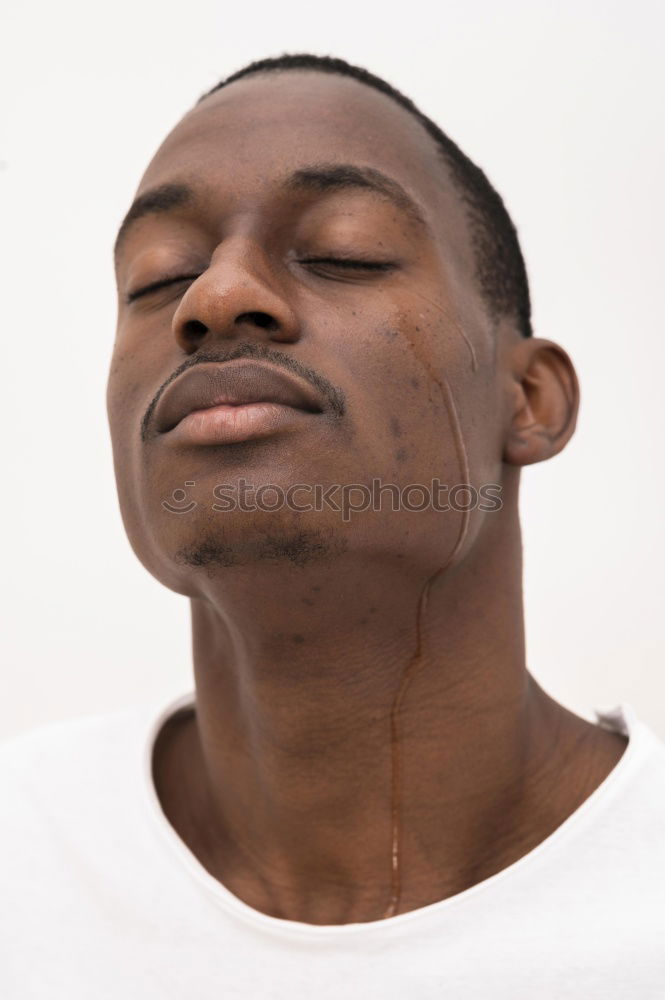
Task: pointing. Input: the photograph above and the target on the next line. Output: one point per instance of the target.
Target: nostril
(260, 319)
(193, 330)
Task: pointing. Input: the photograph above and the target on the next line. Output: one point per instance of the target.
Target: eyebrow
(156, 201)
(320, 177)
(339, 176)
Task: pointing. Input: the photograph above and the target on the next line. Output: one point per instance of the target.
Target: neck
(299, 771)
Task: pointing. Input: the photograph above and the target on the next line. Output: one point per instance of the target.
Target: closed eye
(340, 262)
(155, 286)
(346, 262)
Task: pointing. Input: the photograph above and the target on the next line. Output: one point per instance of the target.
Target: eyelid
(351, 262)
(155, 286)
(348, 262)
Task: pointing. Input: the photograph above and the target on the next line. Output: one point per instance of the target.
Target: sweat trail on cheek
(456, 327)
(412, 665)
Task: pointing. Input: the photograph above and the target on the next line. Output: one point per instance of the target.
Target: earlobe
(543, 401)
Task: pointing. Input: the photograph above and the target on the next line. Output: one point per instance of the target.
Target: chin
(215, 541)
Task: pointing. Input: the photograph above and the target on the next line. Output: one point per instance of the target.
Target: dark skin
(282, 782)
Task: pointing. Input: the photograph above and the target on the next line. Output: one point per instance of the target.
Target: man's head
(306, 217)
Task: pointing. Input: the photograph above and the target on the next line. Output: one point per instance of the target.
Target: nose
(237, 296)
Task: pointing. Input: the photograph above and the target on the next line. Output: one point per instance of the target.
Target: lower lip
(226, 424)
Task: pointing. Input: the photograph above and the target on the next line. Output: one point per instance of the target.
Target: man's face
(393, 364)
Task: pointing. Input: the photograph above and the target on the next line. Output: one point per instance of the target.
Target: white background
(561, 104)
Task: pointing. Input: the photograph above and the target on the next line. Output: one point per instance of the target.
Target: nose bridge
(245, 252)
(237, 295)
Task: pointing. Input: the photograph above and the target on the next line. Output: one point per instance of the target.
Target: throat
(326, 877)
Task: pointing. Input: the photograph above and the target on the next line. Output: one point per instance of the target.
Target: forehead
(257, 129)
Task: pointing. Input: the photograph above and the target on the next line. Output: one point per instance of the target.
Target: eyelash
(367, 265)
(156, 286)
(344, 262)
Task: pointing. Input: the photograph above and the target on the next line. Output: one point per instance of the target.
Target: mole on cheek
(395, 427)
(401, 454)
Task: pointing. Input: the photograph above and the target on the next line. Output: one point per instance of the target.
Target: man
(323, 389)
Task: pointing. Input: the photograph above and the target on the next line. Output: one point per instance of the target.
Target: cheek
(136, 366)
(399, 392)
(426, 409)
(125, 398)
(128, 394)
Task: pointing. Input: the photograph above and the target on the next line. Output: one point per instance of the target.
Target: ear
(543, 401)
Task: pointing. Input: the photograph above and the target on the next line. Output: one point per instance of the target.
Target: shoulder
(74, 836)
(66, 736)
(59, 768)
(631, 800)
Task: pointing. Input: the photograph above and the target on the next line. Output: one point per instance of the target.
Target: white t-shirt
(101, 899)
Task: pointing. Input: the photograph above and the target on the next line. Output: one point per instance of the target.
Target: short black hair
(500, 267)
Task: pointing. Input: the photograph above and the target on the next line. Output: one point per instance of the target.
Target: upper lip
(233, 383)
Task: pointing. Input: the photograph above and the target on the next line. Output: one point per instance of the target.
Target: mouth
(234, 401)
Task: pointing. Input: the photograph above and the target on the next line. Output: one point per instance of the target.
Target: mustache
(333, 394)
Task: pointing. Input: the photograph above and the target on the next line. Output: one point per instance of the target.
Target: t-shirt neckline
(621, 718)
